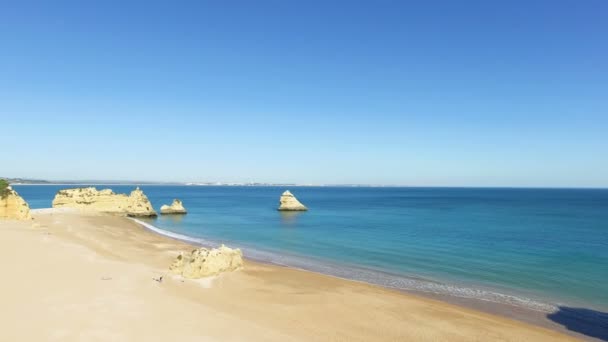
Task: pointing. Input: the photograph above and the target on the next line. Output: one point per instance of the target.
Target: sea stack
(105, 201)
(204, 262)
(12, 206)
(175, 208)
(288, 202)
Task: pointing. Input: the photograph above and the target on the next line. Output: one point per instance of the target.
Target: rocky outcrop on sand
(12, 206)
(106, 201)
(204, 262)
(175, 208)
(289, 202)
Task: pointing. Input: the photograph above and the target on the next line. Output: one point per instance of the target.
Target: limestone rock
(106, 201)
(13, 207)
(175, 208)
(204, 262)
(288, 202)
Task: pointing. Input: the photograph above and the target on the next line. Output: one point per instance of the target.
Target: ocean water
(536, 248)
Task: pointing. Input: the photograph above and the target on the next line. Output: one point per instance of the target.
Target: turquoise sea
(536, 248)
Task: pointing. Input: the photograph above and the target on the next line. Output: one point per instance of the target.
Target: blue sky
(455, 93)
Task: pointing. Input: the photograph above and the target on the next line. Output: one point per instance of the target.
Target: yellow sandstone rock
(12, 206)
(288, 202)
(204, 262)
(106, 201)
(175, 208)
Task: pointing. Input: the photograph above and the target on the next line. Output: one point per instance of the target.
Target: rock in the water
(12, 206)
(175, 208)
(106, 201)
(204, 262)
(288, 202)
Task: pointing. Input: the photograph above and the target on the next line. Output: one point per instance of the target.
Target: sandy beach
(75, 277)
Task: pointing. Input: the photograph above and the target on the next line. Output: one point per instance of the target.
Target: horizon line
(265, 184)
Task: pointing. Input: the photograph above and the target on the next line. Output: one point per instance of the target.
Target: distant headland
(33, 181)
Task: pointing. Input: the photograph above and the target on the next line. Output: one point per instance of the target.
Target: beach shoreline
(525, 314)
(326, 267)
(268, 302)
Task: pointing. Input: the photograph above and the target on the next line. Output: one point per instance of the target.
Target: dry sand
(71, 277)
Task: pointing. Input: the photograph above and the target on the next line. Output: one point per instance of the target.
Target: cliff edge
(106, 201)
(12, 206)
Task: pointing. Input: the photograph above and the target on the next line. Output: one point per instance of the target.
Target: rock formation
(288, 202)
(175, 208)
(204, 262)
(12, 206)
(90, 199)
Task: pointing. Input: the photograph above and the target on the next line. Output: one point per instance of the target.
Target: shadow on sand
(585, 321)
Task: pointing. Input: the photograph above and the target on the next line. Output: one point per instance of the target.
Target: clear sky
(480, 93)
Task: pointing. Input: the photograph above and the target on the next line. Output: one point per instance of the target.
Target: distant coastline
(28, 181)
(31, 181)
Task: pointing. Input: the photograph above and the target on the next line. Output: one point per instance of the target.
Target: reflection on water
(289, 218)
(172, 219)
